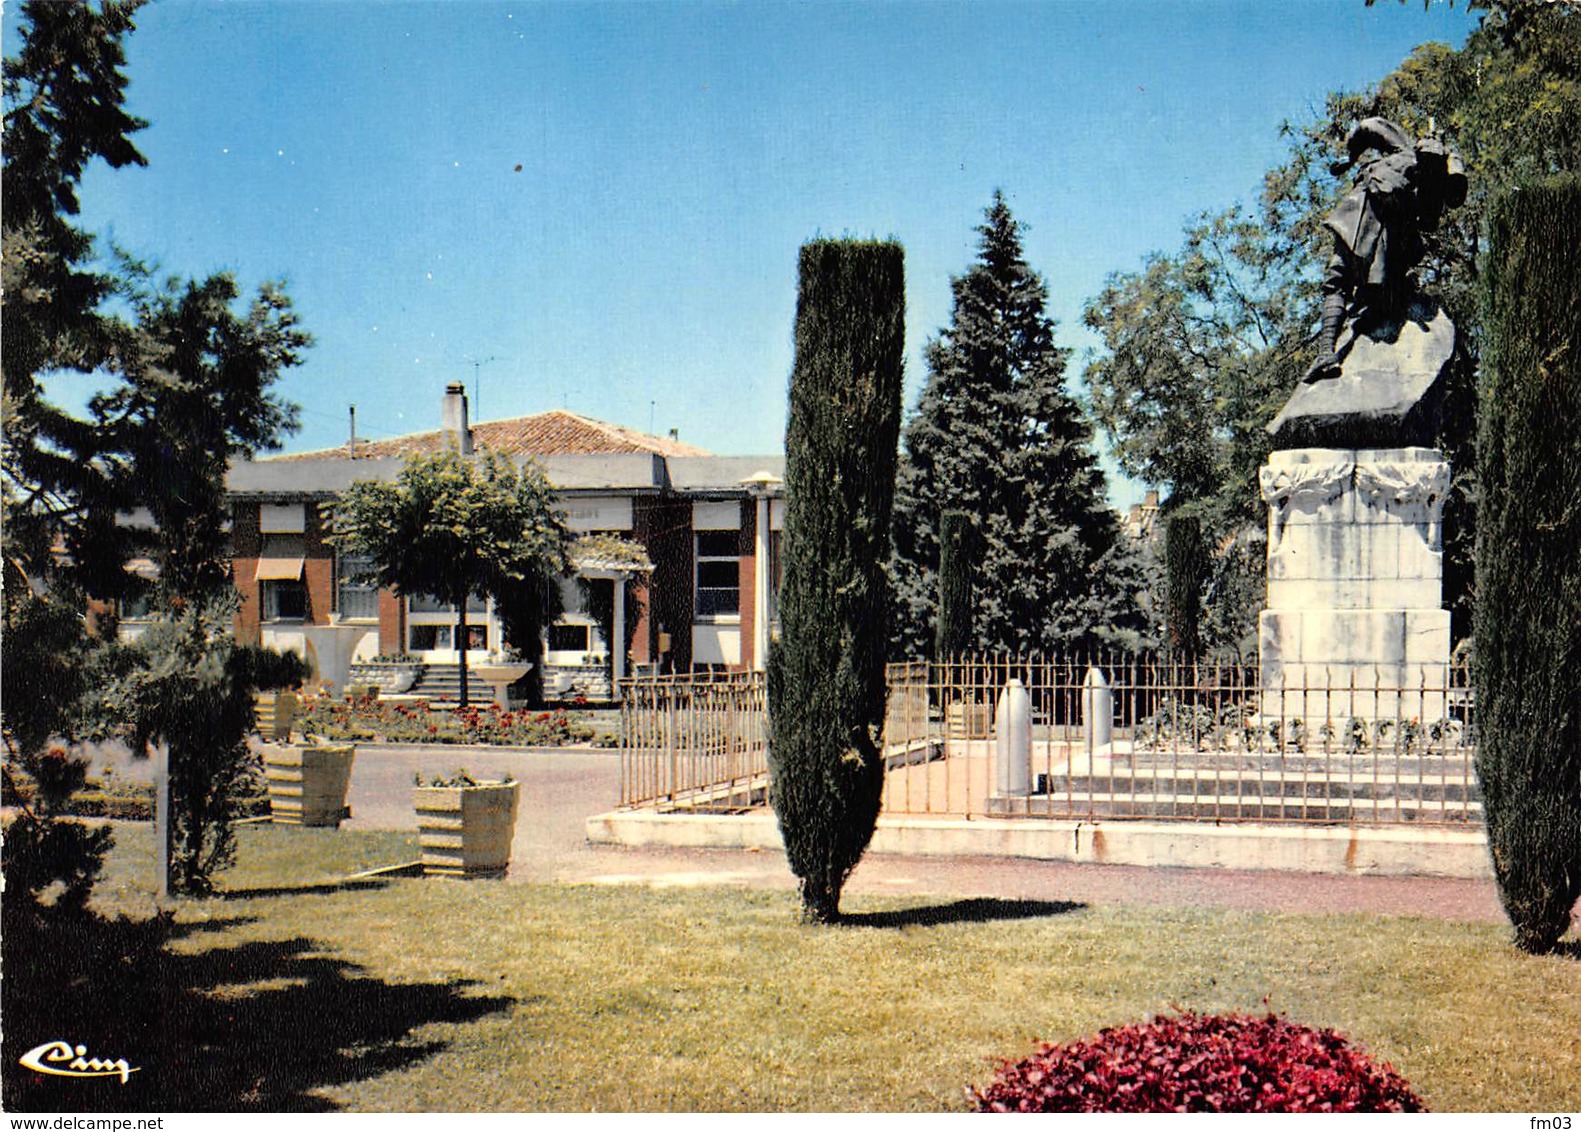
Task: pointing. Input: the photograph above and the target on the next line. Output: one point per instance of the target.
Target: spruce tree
(826, 674)
(1528, 567)
(997, 436)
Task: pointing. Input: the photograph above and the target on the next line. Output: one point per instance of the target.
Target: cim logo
(62, 1059)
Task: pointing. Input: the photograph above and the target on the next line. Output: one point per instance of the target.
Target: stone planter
(466, 831)
(307, 783)
(275, 713)
(500, 675)
(392, 679)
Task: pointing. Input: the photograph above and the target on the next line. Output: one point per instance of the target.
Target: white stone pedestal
(1354, 626)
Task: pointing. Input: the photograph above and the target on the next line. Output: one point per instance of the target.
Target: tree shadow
(255, 1027)
(979, 910)
(325, 888)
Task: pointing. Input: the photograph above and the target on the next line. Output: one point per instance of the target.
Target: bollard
(1013, 740)
(1097, 711)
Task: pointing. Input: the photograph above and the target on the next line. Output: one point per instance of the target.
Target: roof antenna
(477, 396)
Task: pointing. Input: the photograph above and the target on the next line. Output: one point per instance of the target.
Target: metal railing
(1113, 738)
(695, 741)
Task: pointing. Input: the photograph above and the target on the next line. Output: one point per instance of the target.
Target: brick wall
(246, 543)
(749, 544)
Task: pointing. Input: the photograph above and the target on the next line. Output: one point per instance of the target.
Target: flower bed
(1200, 1063)
(380, 721)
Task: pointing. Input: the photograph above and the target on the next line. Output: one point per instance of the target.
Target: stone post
(1097, 711)
(1013, 740)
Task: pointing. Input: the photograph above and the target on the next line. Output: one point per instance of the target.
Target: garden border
(1343, 850)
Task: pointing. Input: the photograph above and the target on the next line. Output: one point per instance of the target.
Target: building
(704, 600)
(1141, 521)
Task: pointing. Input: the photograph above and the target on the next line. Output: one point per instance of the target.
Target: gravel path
(562, 788)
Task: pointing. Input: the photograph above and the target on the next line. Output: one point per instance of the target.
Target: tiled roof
(555, 433)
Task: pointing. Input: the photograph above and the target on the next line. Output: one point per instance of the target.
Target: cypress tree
(996, 435)
(957, 548)
(1528, 558)
(1186, 564)
(826, 674)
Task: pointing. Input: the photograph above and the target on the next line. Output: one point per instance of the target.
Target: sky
(599, 206)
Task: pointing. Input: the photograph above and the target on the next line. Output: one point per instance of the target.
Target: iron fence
(696, 741)
(1108, 737)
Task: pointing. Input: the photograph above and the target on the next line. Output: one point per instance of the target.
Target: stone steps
(1227, 807)
(1404, 789)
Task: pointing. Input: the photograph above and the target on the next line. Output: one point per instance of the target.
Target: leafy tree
(995, 435)
(454, 526)
(826, 674)
(1528, 624)
(1196, 346)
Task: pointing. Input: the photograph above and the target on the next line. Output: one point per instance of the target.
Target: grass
(449, 995)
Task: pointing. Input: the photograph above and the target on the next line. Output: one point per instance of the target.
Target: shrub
(1200, 1063)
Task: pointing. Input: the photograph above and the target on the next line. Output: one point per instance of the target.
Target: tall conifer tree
(1528, 616)
(826, 674)
(997, 436)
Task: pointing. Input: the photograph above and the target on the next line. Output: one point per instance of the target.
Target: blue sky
(607, 199)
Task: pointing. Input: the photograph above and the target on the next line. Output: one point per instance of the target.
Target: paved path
(562, 788)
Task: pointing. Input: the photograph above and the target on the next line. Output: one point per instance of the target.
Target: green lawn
(414, 994)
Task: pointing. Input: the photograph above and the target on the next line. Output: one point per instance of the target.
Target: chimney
(453, 418)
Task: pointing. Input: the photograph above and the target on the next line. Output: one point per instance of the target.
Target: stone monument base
(1365, 664)
(1354, 626)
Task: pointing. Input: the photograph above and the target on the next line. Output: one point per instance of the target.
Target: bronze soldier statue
(1401, 190)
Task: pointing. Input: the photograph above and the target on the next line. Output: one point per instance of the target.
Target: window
(568, 638)
(427, 638)
(428, 603)
(718, 573)
(355, 599)
(284, 600)
(280, 587)
(139, 607)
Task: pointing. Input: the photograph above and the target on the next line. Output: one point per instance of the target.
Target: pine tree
(826, 674)
(997, 436)
(64, 110)
(1528, 613)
